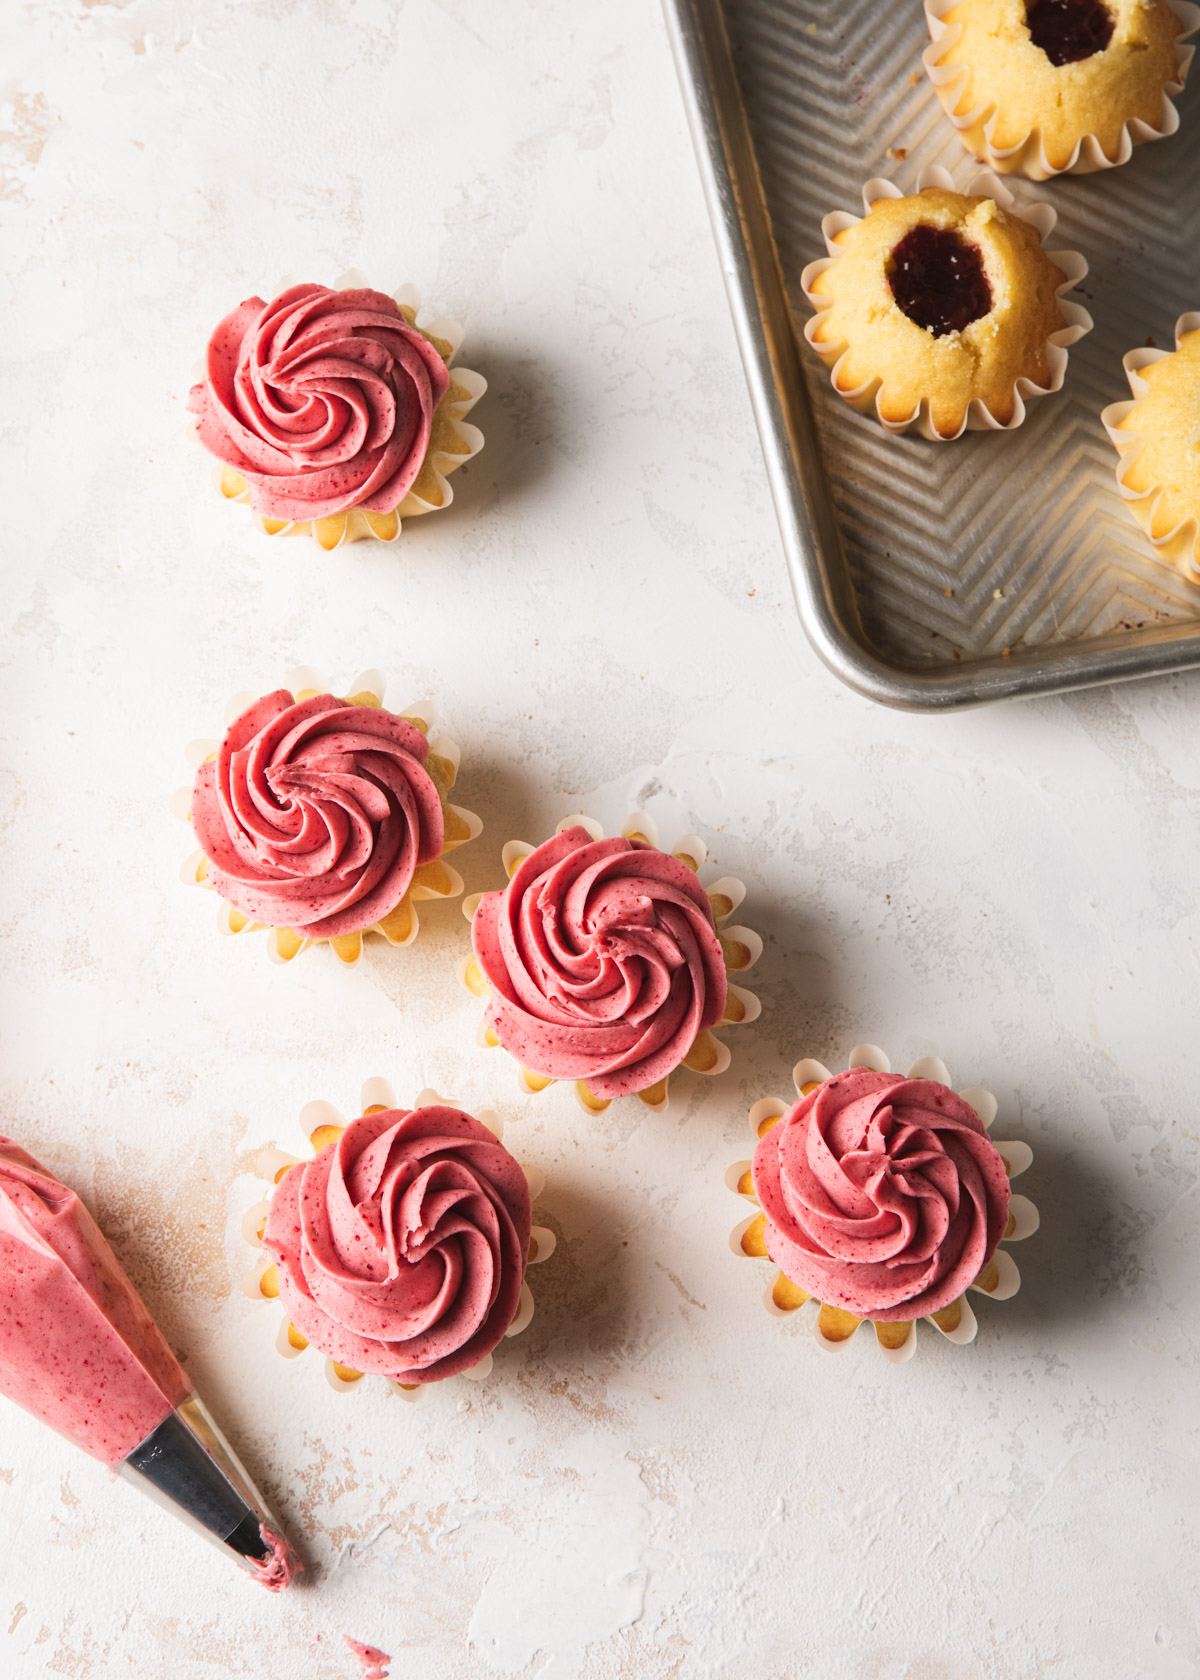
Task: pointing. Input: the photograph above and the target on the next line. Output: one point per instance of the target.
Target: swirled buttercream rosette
(1157, 439)
(322, 819)
(399, 1247)
(868, 392)
(334, 414)
(606, 963)
(881, 1198)
(1138, 73)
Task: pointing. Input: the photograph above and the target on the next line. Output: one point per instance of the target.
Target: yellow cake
(1158, 438)
(942, 299)
(1026, 82)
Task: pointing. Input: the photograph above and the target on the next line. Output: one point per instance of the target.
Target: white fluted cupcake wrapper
(431, 881)
(864, 399)
(320, 1123)
(1027, 156)
(1179, 547)
(454, 441)
(832, 1328)
(742, 948)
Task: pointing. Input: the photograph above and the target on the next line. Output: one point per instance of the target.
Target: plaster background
(658, 1479)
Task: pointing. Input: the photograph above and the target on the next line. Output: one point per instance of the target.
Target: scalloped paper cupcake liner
(741, 948)
(453, 442)
(1180, 546)
(321, 1124)
(1027, 156)
(864, 399)
(431, 880)
(832, 1327)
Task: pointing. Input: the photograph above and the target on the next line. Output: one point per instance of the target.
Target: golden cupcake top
(1158, 435)
(1058, 69)
(945, 298)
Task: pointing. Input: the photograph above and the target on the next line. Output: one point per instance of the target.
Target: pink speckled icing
(603, 961)
(322, 400)
(883, 1196)
(78, 1348)
(315, 815)
(401, 1249)
(280, 1567)
(374, 1661)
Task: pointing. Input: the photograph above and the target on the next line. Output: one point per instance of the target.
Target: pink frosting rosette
(330, 402)
(603, 963)
(322, 818)
(883, 1199)
(322, 400)
(401, 1248)
(884, 1195)
(316, 814)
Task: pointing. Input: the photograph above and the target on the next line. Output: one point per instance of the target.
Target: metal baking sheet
(935, 576)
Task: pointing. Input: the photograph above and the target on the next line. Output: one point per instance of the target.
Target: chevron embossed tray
(932, 576)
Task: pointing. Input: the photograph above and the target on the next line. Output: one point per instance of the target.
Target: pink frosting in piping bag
(603, 960)
(401, 1248)
(77, 1347)
(315, 815)
(79, 1350)
(883, 1196)
(322, 400)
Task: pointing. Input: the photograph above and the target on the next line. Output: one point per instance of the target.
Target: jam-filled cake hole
(938, 279)
(1069, 30)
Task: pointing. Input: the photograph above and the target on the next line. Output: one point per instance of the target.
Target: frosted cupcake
(882, 1199)
(333, 413)
(942, 311)
(606, 963)
(400, 1248)
(1039, 87)
(323, 819)
(1157, 437)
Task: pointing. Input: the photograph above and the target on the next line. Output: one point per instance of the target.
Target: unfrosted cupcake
(400, 1248)
(1039, 87)
(323, 819)
(942, 310)
(604, 962)
(1157, 437)
(333, 413)
(882, 1199)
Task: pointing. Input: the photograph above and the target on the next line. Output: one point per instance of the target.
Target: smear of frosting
(280, 1566)
(315, 815)
(322, 400)
(603, 960)
(78, 1348)
(374, 1661)
(401, 1248)
(883, 1196)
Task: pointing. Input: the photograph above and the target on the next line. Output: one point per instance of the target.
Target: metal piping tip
(187, 1466)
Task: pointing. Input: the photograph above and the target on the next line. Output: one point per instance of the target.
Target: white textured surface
(658, 1479)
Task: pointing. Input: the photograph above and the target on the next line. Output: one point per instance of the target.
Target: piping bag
(80, 1351)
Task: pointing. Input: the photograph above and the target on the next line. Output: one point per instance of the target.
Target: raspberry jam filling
(938, 280)
(1069, 30)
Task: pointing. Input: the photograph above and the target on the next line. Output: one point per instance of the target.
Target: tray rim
(824, 593)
